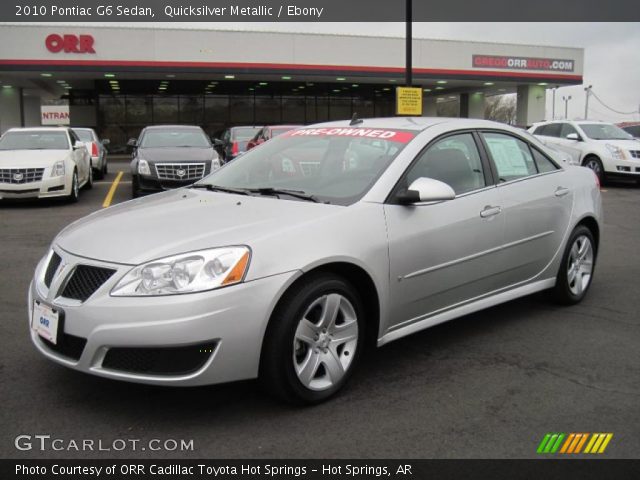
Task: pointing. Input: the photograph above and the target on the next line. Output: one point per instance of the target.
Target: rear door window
(511, 156)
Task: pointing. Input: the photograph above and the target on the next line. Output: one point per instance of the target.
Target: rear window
(243, 134)
(84, 135)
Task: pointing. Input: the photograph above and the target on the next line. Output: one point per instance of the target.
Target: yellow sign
(408, 101)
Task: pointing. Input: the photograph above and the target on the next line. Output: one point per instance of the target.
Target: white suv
(606, 149)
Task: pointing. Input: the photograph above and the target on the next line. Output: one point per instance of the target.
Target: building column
(531, 104)
(472, 104)
(10, 108)
(429, 107)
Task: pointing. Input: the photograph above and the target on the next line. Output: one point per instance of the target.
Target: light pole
(409, 35)
(587, 91)
(566, 106)
(553, 103)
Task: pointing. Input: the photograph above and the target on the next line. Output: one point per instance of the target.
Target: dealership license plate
(45, 321)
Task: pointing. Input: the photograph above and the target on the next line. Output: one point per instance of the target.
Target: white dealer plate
(45, 321)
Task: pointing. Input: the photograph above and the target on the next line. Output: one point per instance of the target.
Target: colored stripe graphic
(573, 443)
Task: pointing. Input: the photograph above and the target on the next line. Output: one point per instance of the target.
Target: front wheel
(576, 270)
(135, 188)
(89, 184)
(75, 190)
(313, 341)
(595, 164)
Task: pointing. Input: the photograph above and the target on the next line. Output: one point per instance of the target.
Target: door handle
(490, 211)
(561, 191)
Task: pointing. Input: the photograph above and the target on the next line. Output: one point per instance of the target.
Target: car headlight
(616, 153)
(143, 167)
(186, 273)
(58, 169)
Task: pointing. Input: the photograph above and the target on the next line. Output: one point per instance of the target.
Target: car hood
(30, 158)
(184, 220)
(624, 144)
(178, 154)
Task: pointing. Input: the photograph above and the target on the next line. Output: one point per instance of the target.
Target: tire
(75, 191)
(135, 189)
(577, 267)
(105, 169)
(595, 164)
(89, 184)
(308, 354)
(98, 175)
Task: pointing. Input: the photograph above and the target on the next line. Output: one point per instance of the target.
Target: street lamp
(566, 106)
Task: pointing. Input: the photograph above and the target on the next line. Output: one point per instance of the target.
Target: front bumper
(230, 322)
(152, 184)
(45, 188)
(627, 168)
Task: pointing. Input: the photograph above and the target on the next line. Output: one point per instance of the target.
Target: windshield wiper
(284, 191)
(216, 188)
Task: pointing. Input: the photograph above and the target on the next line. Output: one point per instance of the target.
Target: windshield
(243, 134)
(161, 138)
(336, 165)
(34, 140)
(604, 131)
(84, 135)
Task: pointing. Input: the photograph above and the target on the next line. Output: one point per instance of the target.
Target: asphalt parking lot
(488, 385)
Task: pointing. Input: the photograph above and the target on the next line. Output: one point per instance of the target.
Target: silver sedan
(284, 263)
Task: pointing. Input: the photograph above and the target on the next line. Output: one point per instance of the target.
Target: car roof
(83, 128)
(39, 129)
(176, 127)
(417, 123)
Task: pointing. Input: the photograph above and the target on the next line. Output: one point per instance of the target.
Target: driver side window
(453, 160)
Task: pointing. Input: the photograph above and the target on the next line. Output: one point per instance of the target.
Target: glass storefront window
(241, 111)
(138, 110)
(267, 110)
(165, 109)
(191, 109)
(293, 109)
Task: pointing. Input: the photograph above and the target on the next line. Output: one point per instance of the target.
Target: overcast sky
(612, 53)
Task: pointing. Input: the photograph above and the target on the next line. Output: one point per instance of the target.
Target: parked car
(233, 142)
(606, 149)
(96, 148)
(268, 132)
(170, 156)
(43, 163)
(633, 130)
(261, 270)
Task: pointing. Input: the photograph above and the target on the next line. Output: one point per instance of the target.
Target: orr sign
(523, 63)
(68, 43)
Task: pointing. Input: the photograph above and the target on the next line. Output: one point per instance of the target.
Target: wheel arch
(358, 277)
(592, 224)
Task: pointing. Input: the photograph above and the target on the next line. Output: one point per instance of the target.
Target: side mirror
(106, 141)
(425, 189)
(132, 143)
(574, 137)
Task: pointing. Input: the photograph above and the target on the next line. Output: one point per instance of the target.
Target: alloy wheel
(580, 265)
(325, 342)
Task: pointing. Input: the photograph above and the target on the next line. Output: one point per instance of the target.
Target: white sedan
(43, 163)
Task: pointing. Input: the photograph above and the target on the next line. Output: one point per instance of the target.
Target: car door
(536, 201)
(444, 253)
(571, 147)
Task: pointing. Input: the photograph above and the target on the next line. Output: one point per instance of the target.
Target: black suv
(168, 156)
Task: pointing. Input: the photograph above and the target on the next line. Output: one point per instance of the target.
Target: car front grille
(20, 175)
(180, 171)
(85, 280)
(159, 360)
(67, 345)
(635, 153)
(54, 263)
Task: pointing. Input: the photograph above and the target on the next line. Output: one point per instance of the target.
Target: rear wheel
(135, 188)
(105, 169)
(313, 341)
(576, 270)
(595, 164)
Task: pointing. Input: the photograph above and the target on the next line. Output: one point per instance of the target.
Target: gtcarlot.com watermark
(46, 443)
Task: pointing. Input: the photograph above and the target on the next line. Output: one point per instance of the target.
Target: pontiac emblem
(18, 176)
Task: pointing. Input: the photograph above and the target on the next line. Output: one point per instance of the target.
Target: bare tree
(501, 108)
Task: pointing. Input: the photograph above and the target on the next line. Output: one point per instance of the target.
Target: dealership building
(120, 79)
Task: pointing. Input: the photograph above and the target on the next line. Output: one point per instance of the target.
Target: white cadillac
(43, 163)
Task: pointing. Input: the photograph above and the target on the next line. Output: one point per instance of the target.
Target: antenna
(355, 120)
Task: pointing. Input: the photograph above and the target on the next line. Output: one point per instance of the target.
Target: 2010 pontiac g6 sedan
(284, 263)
